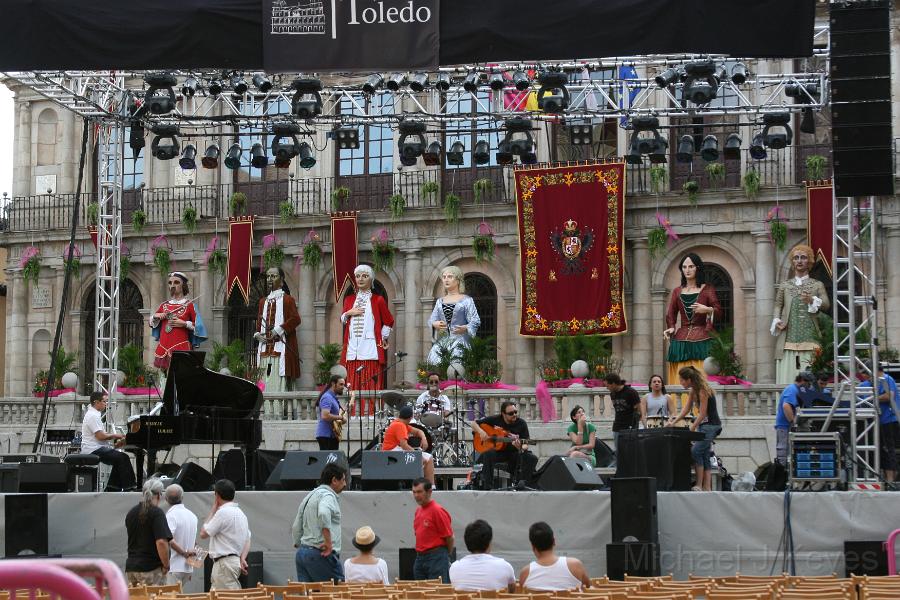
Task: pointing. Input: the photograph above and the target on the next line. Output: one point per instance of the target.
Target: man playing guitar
(510, 432)
(330, 410)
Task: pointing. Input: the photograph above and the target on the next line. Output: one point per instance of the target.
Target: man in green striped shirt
(317, 529)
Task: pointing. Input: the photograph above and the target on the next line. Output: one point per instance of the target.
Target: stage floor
(716, 533)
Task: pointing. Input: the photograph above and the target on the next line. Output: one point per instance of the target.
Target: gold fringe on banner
(570, 163)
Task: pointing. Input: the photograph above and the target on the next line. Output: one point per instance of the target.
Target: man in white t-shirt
(229, 538)
(183, 525)
(480, 570)
(95, 440)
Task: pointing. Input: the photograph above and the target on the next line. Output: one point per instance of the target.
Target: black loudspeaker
(564, 474)
(771, 477)
(393, 470)
(28, 458)
(266, 462)
(194, 478)
(634, 517)
(43, 478)
(253, 577)
(300, 470)
(230, 465)
(865, 558)
(407, 562)
(605, 455)
(639, 559)
(26, 524)
(861, 99)
(9, 478)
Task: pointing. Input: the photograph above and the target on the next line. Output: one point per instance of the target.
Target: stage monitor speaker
(26, 525)
(771, 477)
(605, 455)
(266, 463)
(565, 474)
(393, 470)
(301, 469)
(407, 562)
(9, 478)
(194, 478)
(43, 478)
(638, 559)
(865, 558)
(252, 579)
(634, 516)
(230, 465)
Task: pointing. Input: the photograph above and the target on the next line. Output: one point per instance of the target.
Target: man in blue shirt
(329, 410)
(786, 413)
(889, 427)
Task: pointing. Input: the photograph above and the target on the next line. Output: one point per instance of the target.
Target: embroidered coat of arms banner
(571, 249)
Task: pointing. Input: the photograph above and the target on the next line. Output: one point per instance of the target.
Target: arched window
(483, 291)
(718, 277)
(131, 326)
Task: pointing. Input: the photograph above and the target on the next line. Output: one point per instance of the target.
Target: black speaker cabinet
(391, 470)
(865, 558)
(9, 478)
(639, 559)
(230, 465)
(407, 562)
(301, 470)
(634, 517)
(605, 455)
(564, 474)
(26, 524)
(43, 478)
(194, 478)
(253, 577)
(265, 464)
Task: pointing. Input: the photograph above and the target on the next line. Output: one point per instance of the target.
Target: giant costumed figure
(176, 324)
(276, 332)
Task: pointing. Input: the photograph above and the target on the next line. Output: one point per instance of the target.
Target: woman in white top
(657, 403)
(366, 567)
(550, 572)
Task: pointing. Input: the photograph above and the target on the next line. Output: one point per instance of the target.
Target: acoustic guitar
(498, 438)
(337, 427)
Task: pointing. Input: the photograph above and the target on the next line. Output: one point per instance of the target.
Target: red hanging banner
(240, 255)
(571, 238)
(344, 250)
(820, 220)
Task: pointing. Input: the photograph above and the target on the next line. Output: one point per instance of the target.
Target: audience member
(317, 529)
(549, 573)
(480, 570)
(229, 538)
(183, 526)
(583, 435)
(365, 567)
(434, 535)
(148, 538)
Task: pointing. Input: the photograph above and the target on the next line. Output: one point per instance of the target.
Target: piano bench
(82, 460)
(83, 472)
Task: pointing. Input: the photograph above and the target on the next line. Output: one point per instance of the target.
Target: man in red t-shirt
(396, 437)
(434, 535)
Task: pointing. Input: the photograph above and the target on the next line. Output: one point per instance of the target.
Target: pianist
(95, 440)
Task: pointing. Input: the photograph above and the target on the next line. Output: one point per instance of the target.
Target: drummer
(433, 402)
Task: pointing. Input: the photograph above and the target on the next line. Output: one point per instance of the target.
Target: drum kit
(444, 434)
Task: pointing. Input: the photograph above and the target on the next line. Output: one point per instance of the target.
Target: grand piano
(199, 407)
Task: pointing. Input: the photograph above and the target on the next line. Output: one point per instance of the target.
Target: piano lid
(198, 390)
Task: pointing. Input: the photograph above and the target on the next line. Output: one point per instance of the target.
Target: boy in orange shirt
(396, 438)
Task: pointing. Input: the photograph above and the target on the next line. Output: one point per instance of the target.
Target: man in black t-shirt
(625, 401)
(512, 452)
(148, 538)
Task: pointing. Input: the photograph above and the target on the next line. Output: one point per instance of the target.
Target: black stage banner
(347, 35)
(229, 34)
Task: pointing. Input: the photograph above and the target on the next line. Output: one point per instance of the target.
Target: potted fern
(452, 203)
(312, 250)
(238, 203)
(72, 265)
(273, 252)
(30, 263)
(382, 251)
(286, 211)
(716, 173)
(339, 197)
(750, 183)
(483, 243)
(397, 204)
(93, 213)
(656, 241)
(189, 218)
(161, 254)
(430, 189)
(329, 356)
(692, 189)
(815, 167)
(482, 187)
(777, 228)
(138, 220)
(659, 175)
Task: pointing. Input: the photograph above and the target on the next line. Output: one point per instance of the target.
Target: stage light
(307, 101)
(581, 133)
(495, 81)
(238, 85)
(685, 152)
(160, 97)
(347, 138)
(307, 158)
(521, 80)
(654, 145)
(808, 123)
(709, 149)
(189, 87)
(233, 157)
(262, 83)
(482, 152)
(528, 158)
(419, 82)
(757, 149)
(721, 73)
(258, 158)
(732, 149)
(136, 139)
(777, 141)
(188, 161)
(667, 77)
(284, 143)
(410, 151)
(373, 82)
(700, 84)
(518, 140)
(802, 92)
(455, 154)
(504, 155)
(658, 154)
(432, 154)
(443, 82)
(396, 81)
(215, 87)
(470, 84)
(553, 96)
(165, 145)
(210, 158)
(739, 74)
(633, 157)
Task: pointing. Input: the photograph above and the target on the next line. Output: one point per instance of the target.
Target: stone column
(641, 326)
(307, 340)
(412, 324)
(748, 349)
(17, 358)
(892, 280)
(765, 302)
(321, 325)
(22, 185)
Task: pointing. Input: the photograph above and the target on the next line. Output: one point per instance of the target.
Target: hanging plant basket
(452, 203)
(189, 218)
(161, 254)
(30, 263)
(692, 189)
(93, 213)
(397, 205)
(430, 189)
(482, 187)
(483, 243)
(750, 183)
(777, 228)
(312, 250)
(286, 211)
(273, 252)
(656, 241)
(217, 261)
(716, 173)
(238, 204)
(124, 262)
(72, 265)
(659, 176)
(138, 220)
(383, 251)
(815, 167)
(339, 197)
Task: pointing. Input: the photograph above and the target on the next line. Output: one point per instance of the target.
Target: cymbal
(393, 399)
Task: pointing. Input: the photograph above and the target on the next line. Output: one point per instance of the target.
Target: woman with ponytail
(707, 422)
